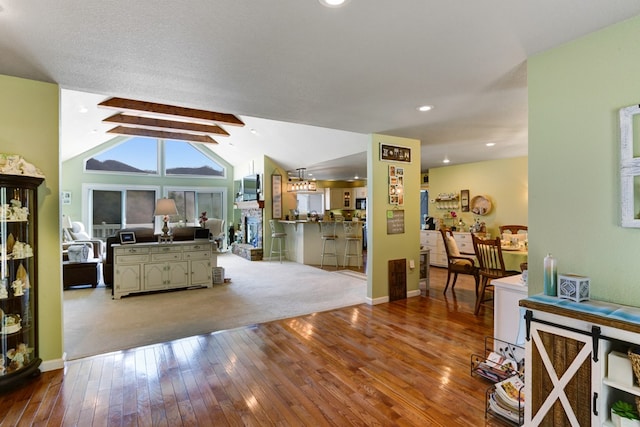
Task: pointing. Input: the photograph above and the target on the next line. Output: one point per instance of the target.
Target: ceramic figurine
(18, 356)
(17, 288)
(4, 293)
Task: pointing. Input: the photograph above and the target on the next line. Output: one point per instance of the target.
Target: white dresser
(463, 241)
(144, 267)
(432, 240)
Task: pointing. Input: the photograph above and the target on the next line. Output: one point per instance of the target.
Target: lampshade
(166, 207)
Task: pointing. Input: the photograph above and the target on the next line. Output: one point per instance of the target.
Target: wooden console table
(145, 267)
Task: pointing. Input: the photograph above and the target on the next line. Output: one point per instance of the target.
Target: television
(250, 187)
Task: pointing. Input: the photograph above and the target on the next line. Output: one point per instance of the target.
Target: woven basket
(635, 363)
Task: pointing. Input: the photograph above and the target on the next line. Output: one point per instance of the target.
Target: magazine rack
(500, 360)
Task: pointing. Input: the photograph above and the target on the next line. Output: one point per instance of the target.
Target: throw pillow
(80, 235)
(452, 246)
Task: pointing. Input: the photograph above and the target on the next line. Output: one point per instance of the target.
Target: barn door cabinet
(18, 278)
(567, 349)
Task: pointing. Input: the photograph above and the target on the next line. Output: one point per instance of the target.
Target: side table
(80, 273)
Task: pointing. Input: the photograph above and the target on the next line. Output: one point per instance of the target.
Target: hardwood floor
(404, 363)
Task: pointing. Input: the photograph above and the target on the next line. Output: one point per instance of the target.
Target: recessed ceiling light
(253, 131)
(490, 144)
(425, 108)
(83, 110)
(446, 160)
(333, 3)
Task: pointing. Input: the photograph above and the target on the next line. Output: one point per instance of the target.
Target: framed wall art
(392, 153)
(396, 185)
(464, 200)
(276, 196)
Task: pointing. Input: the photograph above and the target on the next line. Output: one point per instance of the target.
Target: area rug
(257, 292)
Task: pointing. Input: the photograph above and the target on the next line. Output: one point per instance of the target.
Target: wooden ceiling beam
(181, 136)
(160, 124)
(171, 110)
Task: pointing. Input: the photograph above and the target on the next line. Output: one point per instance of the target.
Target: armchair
(76, 234)
(457, 262)
(489, 256)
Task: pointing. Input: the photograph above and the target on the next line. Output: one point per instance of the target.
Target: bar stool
(352, 236)
(328, 234)
(277, 233)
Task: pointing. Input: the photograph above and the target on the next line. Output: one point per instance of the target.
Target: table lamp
(164, 208)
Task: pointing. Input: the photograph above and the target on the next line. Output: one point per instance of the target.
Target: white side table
(508, 321)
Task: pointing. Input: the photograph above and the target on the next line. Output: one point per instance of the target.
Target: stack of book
(496, 367)
(507, 399)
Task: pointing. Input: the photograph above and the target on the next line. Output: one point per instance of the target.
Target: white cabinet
(464, 242)
(166, 275)
(432, 240)
(360, 192)
(126, 278)
(144, 267)
(566, 359)
(508, 317)
(201, 272)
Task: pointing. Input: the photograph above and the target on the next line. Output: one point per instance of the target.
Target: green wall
(504, 182)
(575, 92)
(382, 247)
(29, 117)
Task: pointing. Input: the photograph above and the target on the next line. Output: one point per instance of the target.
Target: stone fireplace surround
(251, 222)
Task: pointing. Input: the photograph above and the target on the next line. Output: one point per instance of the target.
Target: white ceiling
(312, 81)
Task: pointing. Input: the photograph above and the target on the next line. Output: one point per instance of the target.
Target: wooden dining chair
(514, 229)
(491, 266)
(457, 262)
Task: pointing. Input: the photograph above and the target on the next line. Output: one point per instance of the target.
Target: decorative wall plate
(481, 205)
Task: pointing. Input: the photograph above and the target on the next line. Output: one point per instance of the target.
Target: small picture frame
(127, 237)
(464, 200)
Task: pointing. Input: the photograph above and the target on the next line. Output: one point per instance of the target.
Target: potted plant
(624, 414)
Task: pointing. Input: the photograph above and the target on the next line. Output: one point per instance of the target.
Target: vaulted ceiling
(309, 82)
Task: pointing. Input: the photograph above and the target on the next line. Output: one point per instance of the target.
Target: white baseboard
(382, 300)
(414, 293)
(52, 365)
(375, 301)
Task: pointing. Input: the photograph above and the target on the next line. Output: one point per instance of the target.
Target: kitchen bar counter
(304, 242)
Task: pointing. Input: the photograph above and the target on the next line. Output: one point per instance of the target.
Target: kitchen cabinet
(567, 351)
(464, 242)
(18, 279)
(339, 198)
(144, 267)
(432, 240)
(348, 199)
(343, 198)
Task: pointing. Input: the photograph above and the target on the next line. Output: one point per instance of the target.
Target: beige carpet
(259, 291)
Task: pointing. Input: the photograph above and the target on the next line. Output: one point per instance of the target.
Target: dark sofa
(142, 235)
